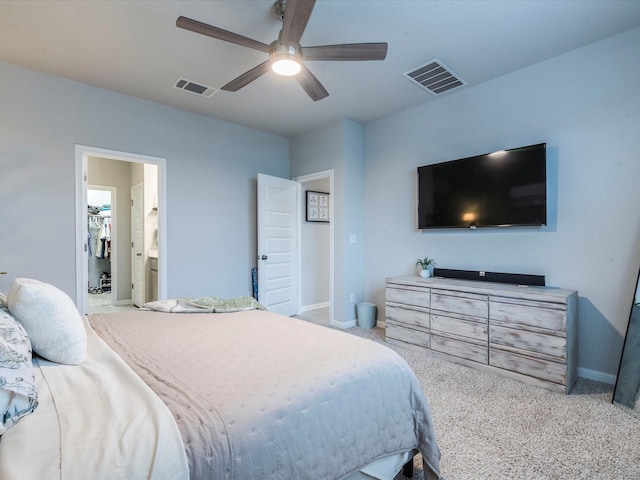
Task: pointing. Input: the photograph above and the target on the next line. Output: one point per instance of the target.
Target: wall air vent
(195, 88)
(435, 77)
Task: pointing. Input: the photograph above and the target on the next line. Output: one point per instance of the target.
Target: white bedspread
(262, 396)
(95, 421)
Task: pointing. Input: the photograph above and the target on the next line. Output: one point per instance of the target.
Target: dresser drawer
(538, 344)
(407, 316)
(458, 348)
(547, 318)
(533, 367)
(469, 305)
(459, 327)
(407, 335)
(419, 298)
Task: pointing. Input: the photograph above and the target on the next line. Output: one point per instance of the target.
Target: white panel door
(137, 246)
(278, 245)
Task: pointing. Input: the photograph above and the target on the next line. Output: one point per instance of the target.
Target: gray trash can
(366, 314)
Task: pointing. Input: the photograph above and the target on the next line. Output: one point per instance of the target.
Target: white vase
(426, 273)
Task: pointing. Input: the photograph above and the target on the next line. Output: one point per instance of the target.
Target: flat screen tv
(507, 188)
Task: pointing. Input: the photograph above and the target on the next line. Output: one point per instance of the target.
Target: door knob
(263, 257)
(138, 254)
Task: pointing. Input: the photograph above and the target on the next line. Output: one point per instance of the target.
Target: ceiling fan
(286, 55)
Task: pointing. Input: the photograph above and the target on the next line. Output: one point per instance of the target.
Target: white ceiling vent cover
(434, 77)
(193, 87)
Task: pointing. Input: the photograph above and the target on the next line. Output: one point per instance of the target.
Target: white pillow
(3, 300)
(51, 319)
(18, 394)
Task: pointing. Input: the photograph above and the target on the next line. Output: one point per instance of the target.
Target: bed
(242, 395)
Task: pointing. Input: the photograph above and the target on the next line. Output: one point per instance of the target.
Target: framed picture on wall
(318, 207)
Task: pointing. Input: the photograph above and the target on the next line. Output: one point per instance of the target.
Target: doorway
(317, 247)
(139, 168)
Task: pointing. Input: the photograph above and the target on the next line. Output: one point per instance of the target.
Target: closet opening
(101, 245)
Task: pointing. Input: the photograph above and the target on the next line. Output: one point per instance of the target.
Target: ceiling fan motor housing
(278, 49)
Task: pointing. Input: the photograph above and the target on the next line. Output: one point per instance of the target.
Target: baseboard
(306, 308)
(344, 325)
(597, 376)
(123, 302)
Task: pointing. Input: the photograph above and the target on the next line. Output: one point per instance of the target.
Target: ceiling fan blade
(248, 77)
(346, 51)
(296, 17)
(311, 84)
(220, 34)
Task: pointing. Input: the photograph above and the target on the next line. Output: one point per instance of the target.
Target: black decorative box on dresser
(525, 333)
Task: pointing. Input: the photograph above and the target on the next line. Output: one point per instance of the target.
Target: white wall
(586, 106)
(211, 181)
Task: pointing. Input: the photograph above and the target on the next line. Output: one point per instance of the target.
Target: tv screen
(501, 189)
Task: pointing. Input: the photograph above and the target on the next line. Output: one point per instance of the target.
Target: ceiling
(135, 48)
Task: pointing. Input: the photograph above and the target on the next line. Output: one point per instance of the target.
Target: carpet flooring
(489, 427)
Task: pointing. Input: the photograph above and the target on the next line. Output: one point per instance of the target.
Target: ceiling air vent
(435, 77)
(192, 87)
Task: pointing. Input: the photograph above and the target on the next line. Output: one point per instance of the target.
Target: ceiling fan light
(286, 66)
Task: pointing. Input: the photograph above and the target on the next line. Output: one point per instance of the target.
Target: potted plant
(424, 265)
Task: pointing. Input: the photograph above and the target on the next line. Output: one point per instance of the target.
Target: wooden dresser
(525, 333)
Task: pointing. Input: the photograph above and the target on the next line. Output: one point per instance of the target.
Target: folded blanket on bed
(204, 305)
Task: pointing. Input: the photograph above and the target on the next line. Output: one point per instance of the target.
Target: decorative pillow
(51, 319)
(18, 395)
(3, 300)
